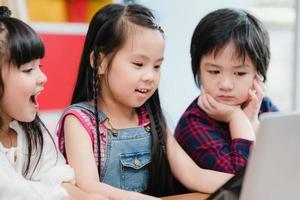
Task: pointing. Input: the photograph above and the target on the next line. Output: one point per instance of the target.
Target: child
(230, 56)
(115, 131)
(30, 166)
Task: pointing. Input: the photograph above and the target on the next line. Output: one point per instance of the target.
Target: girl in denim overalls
(115, 131)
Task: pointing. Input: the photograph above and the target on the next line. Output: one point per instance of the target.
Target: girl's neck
(8, 136)
(120, 116)
(5, 120)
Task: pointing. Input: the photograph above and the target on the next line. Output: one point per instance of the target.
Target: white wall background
(179, 18)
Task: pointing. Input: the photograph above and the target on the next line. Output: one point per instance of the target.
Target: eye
(157, 67)
(138, 64)
(27, 70)
(240, 73)
(213, 72)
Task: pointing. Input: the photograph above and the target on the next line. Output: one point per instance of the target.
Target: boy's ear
(102, 63)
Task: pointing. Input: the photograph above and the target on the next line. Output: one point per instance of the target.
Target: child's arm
(189, 174)
(81, 158)
(15, 186)
(205, 139)
(76, 193)
(52, 175)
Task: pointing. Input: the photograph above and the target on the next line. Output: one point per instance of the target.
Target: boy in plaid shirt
(230, 56)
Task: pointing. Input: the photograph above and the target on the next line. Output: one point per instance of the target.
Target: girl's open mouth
(33, 100)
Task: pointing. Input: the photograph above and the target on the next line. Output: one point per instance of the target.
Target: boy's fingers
(212, 102)
(206, 103)
(258, 86)
(200, 104)
(253, 96)
(260, 77)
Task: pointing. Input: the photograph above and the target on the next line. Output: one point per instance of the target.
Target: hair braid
(158, 129)
(95, 97)
(161, 167)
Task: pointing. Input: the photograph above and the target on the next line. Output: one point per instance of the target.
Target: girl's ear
(102, 63)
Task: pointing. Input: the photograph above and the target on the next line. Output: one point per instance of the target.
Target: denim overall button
(137, 162)
(147, 128)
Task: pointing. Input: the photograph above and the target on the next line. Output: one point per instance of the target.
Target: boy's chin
(231, 103)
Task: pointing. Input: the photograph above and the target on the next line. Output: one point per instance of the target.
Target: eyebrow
(146, 57)
(218, 66)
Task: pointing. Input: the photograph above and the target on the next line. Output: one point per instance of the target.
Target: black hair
(218, 28)
(20, 44)
(106, 34)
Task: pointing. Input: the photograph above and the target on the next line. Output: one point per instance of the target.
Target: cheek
(209, 85)
(245, 87)
(116, 77)
(248, 83)
(157, 79)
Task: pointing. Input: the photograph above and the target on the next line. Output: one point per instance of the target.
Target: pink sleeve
(82, 117)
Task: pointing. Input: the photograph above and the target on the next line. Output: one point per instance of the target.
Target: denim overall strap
(85, 114)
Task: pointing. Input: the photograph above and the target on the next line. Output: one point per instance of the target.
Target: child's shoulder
(194, 119)
(193, 111)
(81, 106)
(268, 106)
(83, 111)
(80, 109)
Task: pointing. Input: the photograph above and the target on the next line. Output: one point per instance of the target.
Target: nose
(148, 74)
(42, 78)
(226, 83)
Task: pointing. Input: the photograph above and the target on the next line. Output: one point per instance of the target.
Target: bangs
(221, 27)
(25, 44)
(239, 37)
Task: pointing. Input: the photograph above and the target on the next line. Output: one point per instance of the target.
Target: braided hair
(106, 34)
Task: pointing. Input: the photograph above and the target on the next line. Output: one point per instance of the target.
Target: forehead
(228, 55)
(144, 41)
(231, 50)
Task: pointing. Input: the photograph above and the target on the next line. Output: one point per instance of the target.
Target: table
(189, 196)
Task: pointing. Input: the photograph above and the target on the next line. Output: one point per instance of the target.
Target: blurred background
(62, 25)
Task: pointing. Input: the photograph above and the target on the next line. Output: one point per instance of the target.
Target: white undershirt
(42, 184)
(10, 154)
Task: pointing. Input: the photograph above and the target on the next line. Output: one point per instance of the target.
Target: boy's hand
(216, 110)
(239, 123)
(252, 106)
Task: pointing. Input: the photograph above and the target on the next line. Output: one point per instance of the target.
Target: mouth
(225, 98)
(142, 91)
(33, 99)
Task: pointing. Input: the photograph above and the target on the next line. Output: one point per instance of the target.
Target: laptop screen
(273, 169)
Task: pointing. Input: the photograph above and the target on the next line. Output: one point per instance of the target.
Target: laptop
(273, 169)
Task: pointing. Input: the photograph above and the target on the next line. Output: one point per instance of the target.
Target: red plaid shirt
(208, 141)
